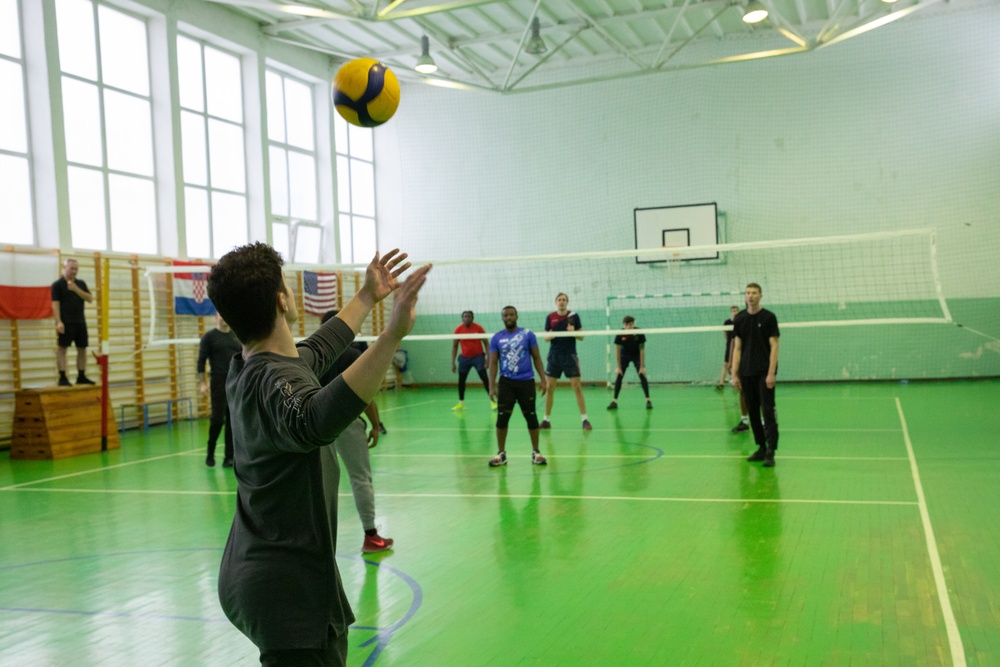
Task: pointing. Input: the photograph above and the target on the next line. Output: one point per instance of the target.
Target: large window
(355, 191)
(212, 143)
(15, 170)
(295, 229)
(104, 58)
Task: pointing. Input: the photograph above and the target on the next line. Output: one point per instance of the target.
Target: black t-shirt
(70, 303)
(557, 322)
(218, 349)
(755, 332)
(730, 333)
(347, 357)
(630, 344)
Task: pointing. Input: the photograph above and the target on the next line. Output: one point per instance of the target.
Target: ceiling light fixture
(425, 64)
(536, 45)
(755, 13)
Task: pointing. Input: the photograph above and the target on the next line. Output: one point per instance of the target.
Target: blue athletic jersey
(514, 351)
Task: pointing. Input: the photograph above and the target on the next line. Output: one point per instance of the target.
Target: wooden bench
(169, 402)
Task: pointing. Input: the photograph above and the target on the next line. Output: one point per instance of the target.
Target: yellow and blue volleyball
(365, 92)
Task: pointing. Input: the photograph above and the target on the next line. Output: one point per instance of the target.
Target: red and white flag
(26, 285)
(191, 292)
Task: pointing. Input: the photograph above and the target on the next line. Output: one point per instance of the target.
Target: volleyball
(365, 92)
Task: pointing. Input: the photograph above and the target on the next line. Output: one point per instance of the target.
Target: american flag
(320, 292)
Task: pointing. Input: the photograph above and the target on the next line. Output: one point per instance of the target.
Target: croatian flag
(26, 285)
(320, 292)
(191, 292)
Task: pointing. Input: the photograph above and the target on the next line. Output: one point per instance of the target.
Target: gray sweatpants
(352, 448)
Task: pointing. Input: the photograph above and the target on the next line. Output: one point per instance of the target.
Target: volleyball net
(682, 294)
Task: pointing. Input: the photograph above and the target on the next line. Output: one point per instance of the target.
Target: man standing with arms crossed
(68, 298)
(755, 370)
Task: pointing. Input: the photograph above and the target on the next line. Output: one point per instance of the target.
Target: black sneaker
(83, 379)
(64, 381)
(769, 459)
(210, 461)
(381, 428)
(227, 463)
(649, 404)
(741, 427)
(759, 455)
(613, 405)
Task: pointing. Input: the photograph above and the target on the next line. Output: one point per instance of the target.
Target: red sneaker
(587, 426)
(375, 543)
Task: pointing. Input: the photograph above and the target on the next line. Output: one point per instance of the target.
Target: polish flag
(26, 285)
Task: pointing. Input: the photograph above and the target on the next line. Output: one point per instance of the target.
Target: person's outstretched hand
(404, 306)
(382, 274)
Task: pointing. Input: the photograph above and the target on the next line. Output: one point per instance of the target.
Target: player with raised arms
(278, 581)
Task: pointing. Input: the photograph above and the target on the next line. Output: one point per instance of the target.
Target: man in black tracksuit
(755, 369)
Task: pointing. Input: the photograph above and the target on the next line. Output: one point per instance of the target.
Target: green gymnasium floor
(648, 541)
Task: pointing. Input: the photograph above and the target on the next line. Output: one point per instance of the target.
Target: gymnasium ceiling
(484, 44)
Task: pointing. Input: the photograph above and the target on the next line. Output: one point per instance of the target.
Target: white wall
(894, 129)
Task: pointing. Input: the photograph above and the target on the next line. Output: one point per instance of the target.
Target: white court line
(494, 496)
(954, 638)
(131, 492)
(404, 407)
(781, 501)
(197, 452)
(91, 471)
(490, 429)
(646, 456)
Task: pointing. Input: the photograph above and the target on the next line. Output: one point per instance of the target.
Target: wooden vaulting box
(58, 422)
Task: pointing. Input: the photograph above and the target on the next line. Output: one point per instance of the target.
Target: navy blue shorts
(466, 364)
(562, 362)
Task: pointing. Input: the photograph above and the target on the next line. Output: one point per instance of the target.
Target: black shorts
(465, 364)
(562, 362)
(519, 392)
(627, 361)
(74, 333)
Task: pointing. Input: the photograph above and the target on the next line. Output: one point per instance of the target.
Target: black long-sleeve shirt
(278, 581)
(218, 349)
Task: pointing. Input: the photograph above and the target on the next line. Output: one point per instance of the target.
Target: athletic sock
(373, 531)
(745, 419)
(583, 417)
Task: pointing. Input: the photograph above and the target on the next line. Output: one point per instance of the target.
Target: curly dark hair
(244, 287)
